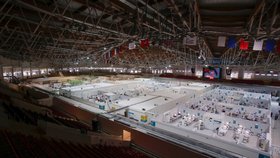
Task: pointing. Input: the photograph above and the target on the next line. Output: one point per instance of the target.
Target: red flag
(147, 43)
(121, 49)
(112, 52)
(278, 46)
(243, 44)
(144, 43)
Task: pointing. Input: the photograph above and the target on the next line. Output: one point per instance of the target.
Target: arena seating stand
(22, 146)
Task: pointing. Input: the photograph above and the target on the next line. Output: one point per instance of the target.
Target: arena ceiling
(81, 32)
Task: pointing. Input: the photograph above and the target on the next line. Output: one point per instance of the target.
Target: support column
(1, 73)
(21, 71)
(30, 70)
(12, 72)
(224, 73)
(240, 74)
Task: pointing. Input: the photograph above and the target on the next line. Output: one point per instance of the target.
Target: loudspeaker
(193, 70)
(126, 113)
(95, 125)
(228, 71)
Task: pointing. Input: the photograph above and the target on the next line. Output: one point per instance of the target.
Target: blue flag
(269, 45)
(231, 42)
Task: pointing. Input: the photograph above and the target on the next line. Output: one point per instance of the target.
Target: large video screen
(212, 72)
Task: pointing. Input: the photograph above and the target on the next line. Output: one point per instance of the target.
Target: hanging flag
(231, 42)
(269, 45)
(228, 71)
(193, 70)
(131, 45)
(121, 51)
(117, 50)
(278, 46)
(144, 43)
(122, 48)
(190, 41)
(112, 52)
(243, 44)
(221, 41)
(147, 42)
(258, 44)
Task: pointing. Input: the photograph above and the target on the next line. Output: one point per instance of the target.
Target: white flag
(191, 41)
(221, 41)
(258, 44)
(131, 45)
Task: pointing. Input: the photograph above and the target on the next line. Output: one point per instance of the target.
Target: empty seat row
(18, 114)
(30, 117)
(72, 123)
(19, 145)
